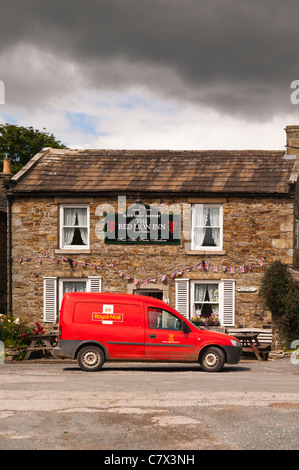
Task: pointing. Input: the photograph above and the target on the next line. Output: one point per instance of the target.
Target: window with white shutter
(94, 284)
(228, 305)
(50, 299)
(54, 290)
(182, 296)
(211, 297)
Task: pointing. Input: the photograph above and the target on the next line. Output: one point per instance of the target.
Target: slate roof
(159, 171)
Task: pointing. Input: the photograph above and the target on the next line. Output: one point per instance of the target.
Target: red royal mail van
(94, 328)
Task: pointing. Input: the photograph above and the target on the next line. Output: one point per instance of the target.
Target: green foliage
(20, 144)
(280, 292)
(14, 332)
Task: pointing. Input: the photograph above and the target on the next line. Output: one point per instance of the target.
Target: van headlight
(235, 342)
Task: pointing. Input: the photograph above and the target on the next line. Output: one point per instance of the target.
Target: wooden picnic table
(44, 343)
(249, 342)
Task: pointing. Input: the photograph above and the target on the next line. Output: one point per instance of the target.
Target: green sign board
(143, 224)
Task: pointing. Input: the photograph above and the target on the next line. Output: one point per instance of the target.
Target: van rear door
(165, 338)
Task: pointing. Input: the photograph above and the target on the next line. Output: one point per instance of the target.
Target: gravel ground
(54, 405)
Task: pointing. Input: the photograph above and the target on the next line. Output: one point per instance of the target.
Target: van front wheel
(212, 359)
(90, 358)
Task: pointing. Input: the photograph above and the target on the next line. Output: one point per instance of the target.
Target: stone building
(195, 228)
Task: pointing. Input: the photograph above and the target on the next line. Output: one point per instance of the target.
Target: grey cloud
(236, 56)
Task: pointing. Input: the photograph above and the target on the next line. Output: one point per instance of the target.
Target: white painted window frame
(61, 226)
(207, 248)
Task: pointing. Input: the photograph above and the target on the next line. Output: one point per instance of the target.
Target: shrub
(280, 292)
(14, 332)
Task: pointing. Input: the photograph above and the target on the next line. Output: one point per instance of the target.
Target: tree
(280, 292)
(20, 144)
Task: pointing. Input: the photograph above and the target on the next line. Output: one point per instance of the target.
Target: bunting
(203, 265)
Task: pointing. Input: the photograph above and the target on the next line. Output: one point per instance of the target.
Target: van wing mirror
(186, 328)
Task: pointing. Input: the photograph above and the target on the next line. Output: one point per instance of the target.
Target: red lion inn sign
(142, 224)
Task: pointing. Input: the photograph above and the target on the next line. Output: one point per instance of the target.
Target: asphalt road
(56, 406)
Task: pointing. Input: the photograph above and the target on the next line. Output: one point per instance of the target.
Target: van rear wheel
(212, 359)
(90, 358)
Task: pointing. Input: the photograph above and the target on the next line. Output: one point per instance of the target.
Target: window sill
(69, 251)
(205, 252)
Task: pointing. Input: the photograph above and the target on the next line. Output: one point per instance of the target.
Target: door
(123, 330)
(165, 338)
(156, 294)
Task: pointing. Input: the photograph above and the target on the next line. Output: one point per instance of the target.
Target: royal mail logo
(108, 308)
(107, 316)
(171, 337)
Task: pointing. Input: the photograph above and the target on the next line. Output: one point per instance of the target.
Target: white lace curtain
(202, 216)
(74, 218)
(70, 286)
(201, 219)
(200, 292)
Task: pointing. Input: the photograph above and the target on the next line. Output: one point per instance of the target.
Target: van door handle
(152, 336)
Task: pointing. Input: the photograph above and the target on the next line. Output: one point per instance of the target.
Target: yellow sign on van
(107, 316)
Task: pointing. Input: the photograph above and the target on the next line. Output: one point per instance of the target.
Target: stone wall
(292, 137)
(253, 228)
(3, 260)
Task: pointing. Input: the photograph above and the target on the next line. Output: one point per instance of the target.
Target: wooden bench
(256, 340)
(41, 343)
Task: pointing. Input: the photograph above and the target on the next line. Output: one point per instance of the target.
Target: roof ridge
(32, 162)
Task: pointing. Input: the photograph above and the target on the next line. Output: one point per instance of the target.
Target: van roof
(114, 297)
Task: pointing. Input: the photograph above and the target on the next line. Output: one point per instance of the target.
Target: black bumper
(66, 348)
(233, 354)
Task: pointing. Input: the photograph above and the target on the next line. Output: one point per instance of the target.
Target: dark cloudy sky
(151, 73)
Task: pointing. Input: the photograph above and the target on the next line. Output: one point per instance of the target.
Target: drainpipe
(6, 176)
(9, 253)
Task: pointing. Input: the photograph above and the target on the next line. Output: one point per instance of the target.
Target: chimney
(292, 146)
(6, 166)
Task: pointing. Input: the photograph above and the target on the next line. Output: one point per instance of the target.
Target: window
(74, 226)
(55, 288)
(71, 285)
(158, 318)
(206, 299)
(207, 227)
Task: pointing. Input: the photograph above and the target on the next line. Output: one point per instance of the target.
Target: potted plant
(198, 320)
(209, 323)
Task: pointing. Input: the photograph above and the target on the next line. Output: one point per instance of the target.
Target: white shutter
(94, 284)
(228, 316)
(182, 296)
(50, 299)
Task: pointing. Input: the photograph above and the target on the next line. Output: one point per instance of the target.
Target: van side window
(158, 318)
